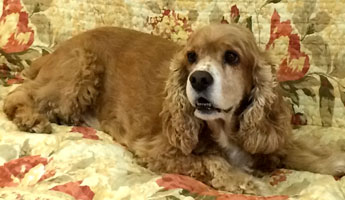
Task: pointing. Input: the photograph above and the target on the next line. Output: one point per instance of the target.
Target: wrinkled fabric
(305, 37)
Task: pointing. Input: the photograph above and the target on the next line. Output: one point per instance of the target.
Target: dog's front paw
(255, 186)
(35, 123)
(248, 185)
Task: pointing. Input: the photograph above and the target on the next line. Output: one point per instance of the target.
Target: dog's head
(220, 73)
(221, 61)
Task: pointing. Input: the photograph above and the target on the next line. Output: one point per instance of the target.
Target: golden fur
(133, 86)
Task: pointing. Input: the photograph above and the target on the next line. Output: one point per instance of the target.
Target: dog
(210, 109)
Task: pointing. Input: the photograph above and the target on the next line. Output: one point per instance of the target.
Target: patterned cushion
(306, 37)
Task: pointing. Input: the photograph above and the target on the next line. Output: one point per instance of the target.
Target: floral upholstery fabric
(306, 37)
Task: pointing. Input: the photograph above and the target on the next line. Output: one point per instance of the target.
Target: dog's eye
(192, 57)
(231, 57)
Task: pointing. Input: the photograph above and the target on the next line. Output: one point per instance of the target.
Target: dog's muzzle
(201, 80)
(205, 106)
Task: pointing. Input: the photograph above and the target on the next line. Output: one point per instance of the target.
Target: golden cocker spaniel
(210, 109)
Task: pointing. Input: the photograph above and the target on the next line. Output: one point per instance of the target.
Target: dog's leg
(232, 179)
(35, 67)
(74, 88)
(309, 155)
(60, 91)
(208, 166)
(19, 106)
(211, 169)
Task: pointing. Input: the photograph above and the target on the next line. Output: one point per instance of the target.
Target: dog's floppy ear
(265, 122)
(179, 123)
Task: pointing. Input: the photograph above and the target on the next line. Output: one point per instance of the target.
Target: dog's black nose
(200, 80)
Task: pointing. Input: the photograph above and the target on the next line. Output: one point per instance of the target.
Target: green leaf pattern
(313, 21)
(317, 98)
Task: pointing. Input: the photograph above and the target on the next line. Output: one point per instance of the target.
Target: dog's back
(114, 74)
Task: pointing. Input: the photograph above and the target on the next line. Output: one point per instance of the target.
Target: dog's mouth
(205, 106)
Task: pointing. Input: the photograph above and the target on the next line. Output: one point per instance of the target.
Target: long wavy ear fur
(265, 123)
(179, 123)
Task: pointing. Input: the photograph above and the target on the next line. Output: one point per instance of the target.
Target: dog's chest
(236, 156)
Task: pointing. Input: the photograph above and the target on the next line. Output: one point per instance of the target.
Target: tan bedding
(82, 163)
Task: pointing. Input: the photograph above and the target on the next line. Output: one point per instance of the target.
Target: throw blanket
(83, 163)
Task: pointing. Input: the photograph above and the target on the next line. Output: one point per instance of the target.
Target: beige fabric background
(316, 90)
(306, 37)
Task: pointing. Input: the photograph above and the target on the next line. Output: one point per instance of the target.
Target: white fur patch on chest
(90, 120)
(236, 156)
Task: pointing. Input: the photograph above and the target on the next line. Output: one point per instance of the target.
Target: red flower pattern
(299, 119)
(279, 176)
(87, 132)
(16, 80)
(175, 181)
(286, 70)
(16, 41)
(76, 190)
(174, 20)
(19, 167)
(234, 15)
